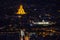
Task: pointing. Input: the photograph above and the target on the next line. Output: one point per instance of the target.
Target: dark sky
(11, 6)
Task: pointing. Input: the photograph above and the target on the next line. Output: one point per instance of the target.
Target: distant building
(21, 10)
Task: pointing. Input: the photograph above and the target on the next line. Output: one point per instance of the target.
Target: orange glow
(26, 38)
(21, 10)
(52, 30)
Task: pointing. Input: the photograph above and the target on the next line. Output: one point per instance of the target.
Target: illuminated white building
(43, 22)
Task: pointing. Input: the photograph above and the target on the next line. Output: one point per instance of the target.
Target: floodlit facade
(21, 10)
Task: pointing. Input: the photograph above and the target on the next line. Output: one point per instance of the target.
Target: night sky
(11, 6)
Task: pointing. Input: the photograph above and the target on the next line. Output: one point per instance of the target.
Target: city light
(29, 20)
(21, 10)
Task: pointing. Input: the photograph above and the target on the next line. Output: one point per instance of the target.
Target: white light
(43, 22)
(22, 33)
(31, 25)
